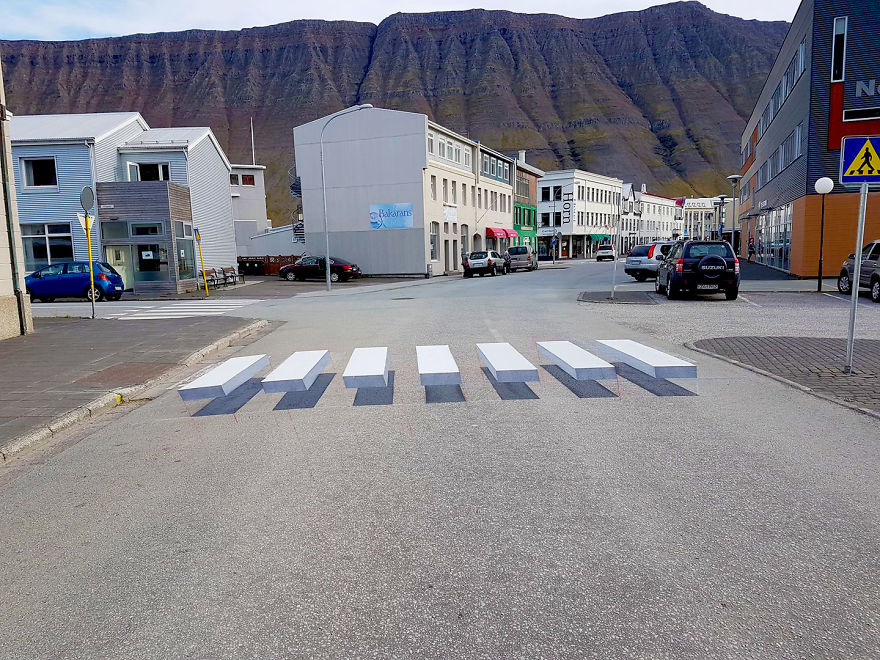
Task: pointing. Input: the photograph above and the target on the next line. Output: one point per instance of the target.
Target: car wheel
(731, 294)
(290, 276)
(334, 277)
(99, 295)
(875, 290)
(114, 297)
(640, 278)
(659, 288)
(843, 283)
(671, 290)
(31, 294)
(468, 274)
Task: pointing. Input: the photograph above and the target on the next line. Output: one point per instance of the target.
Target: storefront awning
(496, 232)
(511, 233)
(599, 237)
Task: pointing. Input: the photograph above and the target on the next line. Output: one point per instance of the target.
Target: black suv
(699, 267)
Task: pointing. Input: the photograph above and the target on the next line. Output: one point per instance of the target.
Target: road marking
(224, 378)
(749, 301)
(437, 366)
(576, 362)
(367, 367)
(648, 360)
(506, 364)
(297, 373)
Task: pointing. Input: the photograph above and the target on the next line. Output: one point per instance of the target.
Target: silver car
(644, 260)
(522, 256)
(869, 276)
(484, 262)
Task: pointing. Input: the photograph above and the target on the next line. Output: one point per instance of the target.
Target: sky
(81, 19)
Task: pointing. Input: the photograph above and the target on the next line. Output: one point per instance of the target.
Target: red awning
(496, 232)
(511, 233)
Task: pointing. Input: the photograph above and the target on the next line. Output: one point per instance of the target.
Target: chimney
(522, 156)
(644, 188)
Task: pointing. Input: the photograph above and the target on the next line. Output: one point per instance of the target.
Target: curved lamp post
(823, 186)
(324, 187)
(734, 180)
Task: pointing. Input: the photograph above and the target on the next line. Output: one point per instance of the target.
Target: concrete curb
(112, 399)
(786, 381)
(373, 288)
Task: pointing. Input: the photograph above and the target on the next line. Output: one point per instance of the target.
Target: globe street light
(734, 180)
(823, 186)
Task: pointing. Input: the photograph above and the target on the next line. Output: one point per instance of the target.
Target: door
(455, 255)
(119, 256)
(446, 254)
(50, 283)
(76, 279)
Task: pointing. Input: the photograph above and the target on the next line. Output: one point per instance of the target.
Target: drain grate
(403, 299)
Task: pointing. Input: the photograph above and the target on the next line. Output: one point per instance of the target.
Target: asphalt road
(635, 522)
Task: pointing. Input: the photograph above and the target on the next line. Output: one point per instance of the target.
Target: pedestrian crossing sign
(859, 161)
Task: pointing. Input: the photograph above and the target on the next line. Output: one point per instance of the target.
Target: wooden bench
(506, 364)
(231, 275)
(297, 373)
(224, 378)
(212, 278)
(576, 362)
(367, 367)
(656, 364)
(437, 366)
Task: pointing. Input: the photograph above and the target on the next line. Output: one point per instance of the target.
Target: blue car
(71, 280)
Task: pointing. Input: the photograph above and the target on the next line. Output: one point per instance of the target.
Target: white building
(704, 215)
(248, 189)
(404, 195)
(660, 219)
(581, 208)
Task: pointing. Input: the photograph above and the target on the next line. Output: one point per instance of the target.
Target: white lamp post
(823, 187)
(324, 187)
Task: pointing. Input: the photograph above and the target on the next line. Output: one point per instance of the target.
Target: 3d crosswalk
(367, 368)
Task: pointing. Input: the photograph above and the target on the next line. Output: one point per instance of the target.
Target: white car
(606, 252)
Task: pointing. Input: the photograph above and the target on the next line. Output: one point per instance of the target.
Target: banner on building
(391, 216)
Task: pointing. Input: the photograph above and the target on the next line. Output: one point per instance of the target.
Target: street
(737, 518)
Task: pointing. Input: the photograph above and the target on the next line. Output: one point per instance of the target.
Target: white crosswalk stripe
(146, 310)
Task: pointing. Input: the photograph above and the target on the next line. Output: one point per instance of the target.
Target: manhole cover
(622, 297)
(403, 299)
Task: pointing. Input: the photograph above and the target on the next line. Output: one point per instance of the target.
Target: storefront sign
(567, 203)
(146, 255)
(546, 231)
(450, 214)
(391, 216)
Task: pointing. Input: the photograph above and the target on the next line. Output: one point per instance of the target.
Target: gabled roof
(91, 126)
(181, 138)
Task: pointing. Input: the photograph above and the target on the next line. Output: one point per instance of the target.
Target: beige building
(15, 309)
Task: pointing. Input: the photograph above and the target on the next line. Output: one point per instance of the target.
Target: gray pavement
(739, 523)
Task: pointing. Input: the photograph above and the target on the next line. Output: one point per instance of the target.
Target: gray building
(248, 189)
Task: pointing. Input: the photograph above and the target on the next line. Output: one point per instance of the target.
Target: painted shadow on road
(376, 396)
(444, 394)
(308, 398)
(583, 389)
(510, 391)
(232, 402)
(658, 386)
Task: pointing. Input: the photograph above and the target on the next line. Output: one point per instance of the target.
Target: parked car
(606, 251)
(643, 261)
(71, 280)
(522, 256)
(482, 263)
(869, 274)
(699, 267)
(314, 268)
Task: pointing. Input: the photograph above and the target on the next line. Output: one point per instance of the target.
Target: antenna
(253, 151)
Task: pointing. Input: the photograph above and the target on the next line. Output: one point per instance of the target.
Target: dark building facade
(824, 85)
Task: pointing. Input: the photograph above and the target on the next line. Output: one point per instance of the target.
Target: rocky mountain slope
(658, 96)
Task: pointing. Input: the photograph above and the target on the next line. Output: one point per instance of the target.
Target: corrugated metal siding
(212, 205)
(862, 63)
(74, 171)
(106, 156)
(177, 164)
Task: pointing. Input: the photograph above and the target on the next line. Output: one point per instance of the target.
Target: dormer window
(148, 172)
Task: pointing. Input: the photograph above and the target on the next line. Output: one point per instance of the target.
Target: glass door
(119, 256)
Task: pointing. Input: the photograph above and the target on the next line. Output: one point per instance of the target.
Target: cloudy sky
(79, 19)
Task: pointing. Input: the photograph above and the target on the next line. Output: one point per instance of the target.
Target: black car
(699, 267)
(313, 268)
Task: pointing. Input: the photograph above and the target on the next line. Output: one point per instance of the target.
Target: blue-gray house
(153, 187)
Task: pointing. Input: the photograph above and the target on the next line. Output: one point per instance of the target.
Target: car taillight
(736, 265)
(101, 276)
(489, 262)
(679, 265)
(346, 268)
(651, 251)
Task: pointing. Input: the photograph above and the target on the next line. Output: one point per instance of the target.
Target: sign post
(859, 166)
(198, 237)
(87, 201)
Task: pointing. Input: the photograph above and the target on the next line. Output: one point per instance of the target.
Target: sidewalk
(70, 368)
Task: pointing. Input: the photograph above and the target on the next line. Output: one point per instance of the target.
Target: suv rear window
(605, 247)
(519, 249)
(700, 250)
(640, 251)
(479, 255)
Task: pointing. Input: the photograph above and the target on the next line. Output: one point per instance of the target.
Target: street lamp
(720, 221)
(734, 180)
(324, 187)
(823, 187)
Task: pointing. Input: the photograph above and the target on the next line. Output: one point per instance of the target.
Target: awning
(511, 233)
(496, 232)
(600, 237)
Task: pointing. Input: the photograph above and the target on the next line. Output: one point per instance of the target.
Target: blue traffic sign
(859, 161)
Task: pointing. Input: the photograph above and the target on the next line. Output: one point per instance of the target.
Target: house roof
(90, 126)
(181, 138)
(248, 167)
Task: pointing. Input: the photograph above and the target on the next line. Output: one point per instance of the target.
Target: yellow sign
(866, 161)
(860, 162)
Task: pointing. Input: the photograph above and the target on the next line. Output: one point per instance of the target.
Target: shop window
(151, 262)
(40, 173)
(114, 230)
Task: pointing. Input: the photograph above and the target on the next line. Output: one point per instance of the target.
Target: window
(434, 187)
(464, 194)
(838, 50)
(454, 193)
(457, 153)
(507, 172)
(441, 148)
(430, 143)
(473, 197)
(435, 231)
(464, 237)
(152, 172)
(545, 219)
(467, 158)
(39, 173)
(45, 244)
(449, 147)
(557, 219)
(485, 163)
(493, 165)
(233, 179)
(480, 197)
(445, 190)
(114, 230)
(147, 229)
(186, 262)
(445, 227)
(545, 194)
(557, 193)
(248, 180)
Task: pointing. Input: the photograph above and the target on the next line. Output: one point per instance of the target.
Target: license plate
(707, 287)
(118, 288)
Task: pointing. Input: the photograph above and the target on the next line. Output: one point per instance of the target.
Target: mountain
(658, 96)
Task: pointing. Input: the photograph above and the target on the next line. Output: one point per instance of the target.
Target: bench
(231, 275)
(506, 364)
(367, 367)
(437, 366)
(212, 278)
(224, 378)
(297, 373)
(646, 359)
(576, 362)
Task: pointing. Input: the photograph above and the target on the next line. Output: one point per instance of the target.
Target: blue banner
(391, 216)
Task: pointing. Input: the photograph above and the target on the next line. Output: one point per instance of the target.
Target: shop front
(524, 220)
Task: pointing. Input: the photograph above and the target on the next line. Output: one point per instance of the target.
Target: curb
(786, 381)
(112, 399)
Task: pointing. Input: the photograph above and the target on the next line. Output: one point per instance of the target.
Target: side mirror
(852, 255)
(36, 275)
